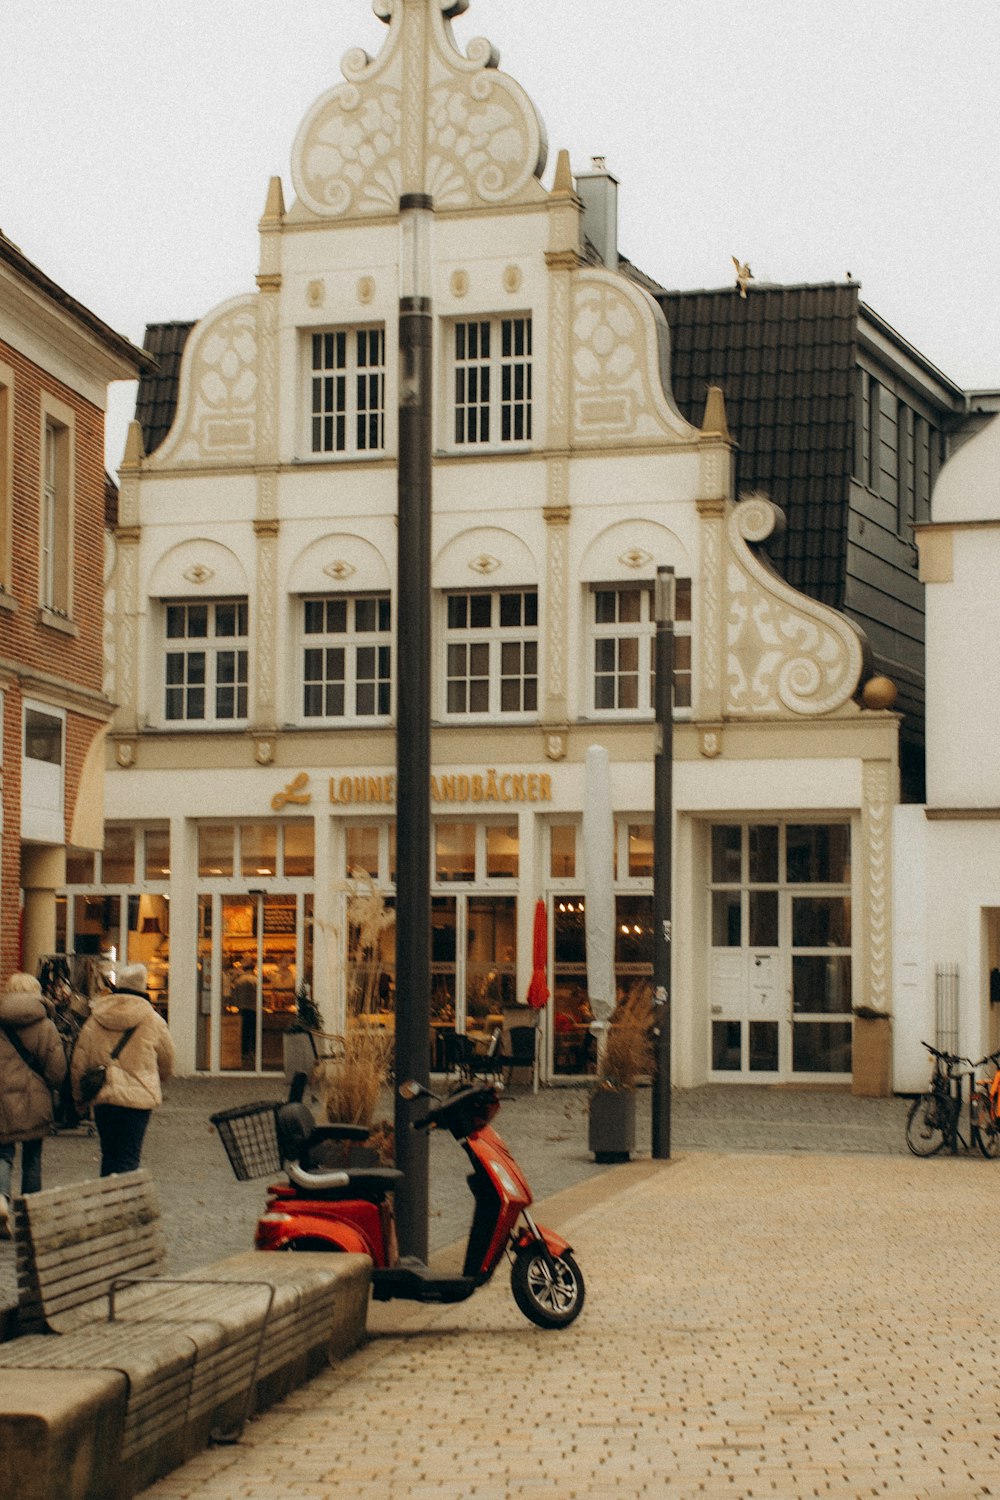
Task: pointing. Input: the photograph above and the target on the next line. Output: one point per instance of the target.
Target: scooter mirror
(411, 1090)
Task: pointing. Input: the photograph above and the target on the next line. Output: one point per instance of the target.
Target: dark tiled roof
(110, 502)
(784, 357)
(156, 400)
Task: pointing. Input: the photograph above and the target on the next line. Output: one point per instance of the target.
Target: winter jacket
(25, 1098)
(133, 1077)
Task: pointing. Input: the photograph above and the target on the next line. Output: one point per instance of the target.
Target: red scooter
(351, 1208)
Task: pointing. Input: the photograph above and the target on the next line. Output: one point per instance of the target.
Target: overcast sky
(810, 139)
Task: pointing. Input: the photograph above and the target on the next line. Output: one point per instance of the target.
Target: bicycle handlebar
(952, 1059)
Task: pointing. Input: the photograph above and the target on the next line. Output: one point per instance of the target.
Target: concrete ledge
(62, 1429)
(57, 1431)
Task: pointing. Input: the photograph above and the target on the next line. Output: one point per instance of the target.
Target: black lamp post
(663, 834)
(413, 722)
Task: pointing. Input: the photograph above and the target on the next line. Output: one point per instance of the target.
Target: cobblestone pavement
(756, 1325)
(208, 1214)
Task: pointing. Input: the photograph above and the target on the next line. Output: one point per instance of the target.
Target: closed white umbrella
(599, 894)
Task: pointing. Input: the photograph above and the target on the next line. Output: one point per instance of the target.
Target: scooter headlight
(505, 1180)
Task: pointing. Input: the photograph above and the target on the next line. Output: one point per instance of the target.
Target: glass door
(254, 952)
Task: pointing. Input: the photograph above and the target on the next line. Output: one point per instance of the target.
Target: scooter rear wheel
(549, 1301)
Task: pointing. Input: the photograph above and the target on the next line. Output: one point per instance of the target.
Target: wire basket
(250, 1136)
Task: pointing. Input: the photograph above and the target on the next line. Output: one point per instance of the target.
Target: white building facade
(947, 899)
(251, 618)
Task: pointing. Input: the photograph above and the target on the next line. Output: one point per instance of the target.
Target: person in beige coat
(131, 1089)
(26, 1084)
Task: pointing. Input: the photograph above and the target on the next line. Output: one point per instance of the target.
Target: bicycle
(984, 1107)
(934, 1118)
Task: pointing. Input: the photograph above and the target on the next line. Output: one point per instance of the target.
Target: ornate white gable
(216, 417)
(421, 117)
(785, 653)
(620, 364)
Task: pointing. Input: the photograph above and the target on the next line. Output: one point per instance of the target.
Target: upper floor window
(492, 652)
(347, 656)
(348, 391)
(206, 661)
(624, 630)
(493, 380)
(55, 518)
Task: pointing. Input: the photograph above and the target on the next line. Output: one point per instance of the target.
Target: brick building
(56, 359)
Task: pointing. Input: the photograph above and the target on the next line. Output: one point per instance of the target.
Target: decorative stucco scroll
(785, 652)
(420, 117)
(620, 362)
(216, 420)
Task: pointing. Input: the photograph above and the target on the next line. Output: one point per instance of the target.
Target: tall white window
(492, 652)
(55, 519)
(348, 390)
(347, 656)
(206, 662)
(492, 362)
(624, 629)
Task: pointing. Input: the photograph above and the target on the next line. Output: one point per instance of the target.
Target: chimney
(598, 192)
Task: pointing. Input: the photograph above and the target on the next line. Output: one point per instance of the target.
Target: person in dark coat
(26, 1085)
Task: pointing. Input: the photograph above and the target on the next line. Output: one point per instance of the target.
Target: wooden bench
(182, 1357)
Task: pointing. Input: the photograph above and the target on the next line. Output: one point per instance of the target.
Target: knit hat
(131, 978)
(23, 984)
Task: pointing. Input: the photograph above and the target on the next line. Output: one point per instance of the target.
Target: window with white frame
(347, 413)
(55, 518)
(492, 364)
(346, 656)
(623, 626)
(492, 652)
(206, 655)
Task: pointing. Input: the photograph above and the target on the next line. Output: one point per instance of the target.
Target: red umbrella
(538, 989)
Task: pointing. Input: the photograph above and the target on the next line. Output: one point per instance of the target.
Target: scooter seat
(370, 1183)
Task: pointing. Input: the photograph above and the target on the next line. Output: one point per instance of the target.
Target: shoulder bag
(93, 1080)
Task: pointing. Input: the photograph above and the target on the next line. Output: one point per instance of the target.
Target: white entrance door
(749, 1012)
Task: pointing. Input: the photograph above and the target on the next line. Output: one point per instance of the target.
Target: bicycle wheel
(984, 1128)
(925, 1134)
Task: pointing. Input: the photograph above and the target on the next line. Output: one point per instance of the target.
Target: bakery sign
(456, 789)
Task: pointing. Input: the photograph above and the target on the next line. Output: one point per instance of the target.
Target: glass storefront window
(763, 919)
(727, 853)
(79, 867)
(763, 853)
(455, 852)
(726, 926)
(118, 862)
(157, 850)
(361, 843)
(501, 852)
(443, 954)
(640, 851)
(491, 939)
(562, 851)
(633, 938)
(821, 921)
(216, 847)
(819, 853)
(258, 849)
(299, 841)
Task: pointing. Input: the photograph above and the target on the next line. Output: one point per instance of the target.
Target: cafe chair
(523, 1050)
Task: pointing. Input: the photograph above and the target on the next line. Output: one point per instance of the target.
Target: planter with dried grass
(626, 1057)
(350, 1083)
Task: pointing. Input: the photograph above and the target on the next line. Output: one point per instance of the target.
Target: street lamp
(663, 835)
(413, 714)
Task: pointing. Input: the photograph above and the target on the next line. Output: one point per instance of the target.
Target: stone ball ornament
(879, 693)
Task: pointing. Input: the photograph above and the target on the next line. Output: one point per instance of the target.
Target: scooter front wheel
(550, 1295)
